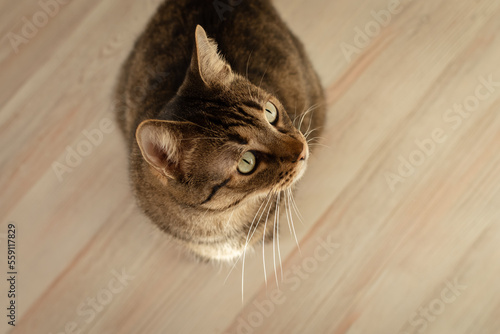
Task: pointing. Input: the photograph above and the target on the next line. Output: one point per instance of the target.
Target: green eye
(246, 163)
(271, 112)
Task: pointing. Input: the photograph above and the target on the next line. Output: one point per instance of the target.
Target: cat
(208, 103)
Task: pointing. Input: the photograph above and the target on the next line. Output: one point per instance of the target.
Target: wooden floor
(400, 207)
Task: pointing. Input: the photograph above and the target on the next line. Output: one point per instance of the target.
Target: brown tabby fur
(189, 113)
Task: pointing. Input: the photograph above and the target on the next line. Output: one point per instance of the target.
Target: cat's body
(190, 118)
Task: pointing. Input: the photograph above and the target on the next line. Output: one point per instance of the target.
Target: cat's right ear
(163, 145)
(207, 61)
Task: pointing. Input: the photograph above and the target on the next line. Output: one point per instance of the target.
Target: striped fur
(201, 106)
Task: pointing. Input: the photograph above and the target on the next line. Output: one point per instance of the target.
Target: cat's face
(227, 148)
(229, 141)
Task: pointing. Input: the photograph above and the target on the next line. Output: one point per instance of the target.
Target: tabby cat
(208, 121)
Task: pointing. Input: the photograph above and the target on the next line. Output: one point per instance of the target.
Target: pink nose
(303, 154)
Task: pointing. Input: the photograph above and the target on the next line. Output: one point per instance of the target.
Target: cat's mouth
(295, 173)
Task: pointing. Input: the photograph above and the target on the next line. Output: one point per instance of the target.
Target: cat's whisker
(310, 122)
(251, 225)
(294, 205)
(310, 111)
(230, 217)
(315, 138)
(278, 236)
(319, 144)
(296, 209)
(290, 218)
(269, 196)
(274, 243)
(263, 254)
(293, 227)
(263, 241)
(267, 219)
(314, 142)
(301, 121)
(309, 132)
(292, 231)
(287, 209)
(248, 61)
(260, 83)
(303, 116)
(295, 114)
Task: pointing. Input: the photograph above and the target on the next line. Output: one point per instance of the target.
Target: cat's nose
(303, 154)
(292, 150)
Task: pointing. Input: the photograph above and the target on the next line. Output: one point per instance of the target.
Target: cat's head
(227, 142)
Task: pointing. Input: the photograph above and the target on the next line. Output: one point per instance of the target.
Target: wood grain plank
(373, 258)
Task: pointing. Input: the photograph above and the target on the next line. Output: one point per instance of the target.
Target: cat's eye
(271, 112)
(247, 163)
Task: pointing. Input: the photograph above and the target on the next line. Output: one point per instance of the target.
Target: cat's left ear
(164, 145)
(212, 68)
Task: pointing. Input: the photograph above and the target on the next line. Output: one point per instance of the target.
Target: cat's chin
(233, 249)
(300, 173)
(222, 253)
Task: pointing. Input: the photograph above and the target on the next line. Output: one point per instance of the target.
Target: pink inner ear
(157, 149)
(165, 145)
(152, 150)
(155, 154)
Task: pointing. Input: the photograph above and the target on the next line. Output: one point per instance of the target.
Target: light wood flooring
(400, 206)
